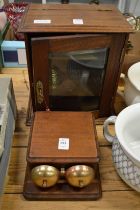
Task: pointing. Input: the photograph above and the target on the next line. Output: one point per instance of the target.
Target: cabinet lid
(51, 129)
(105, 18)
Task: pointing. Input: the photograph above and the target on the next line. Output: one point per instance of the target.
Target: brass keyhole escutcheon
(39, 92)
(80, 175)
(44, 176)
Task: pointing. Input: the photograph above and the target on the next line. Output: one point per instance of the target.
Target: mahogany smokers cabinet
(74, 55)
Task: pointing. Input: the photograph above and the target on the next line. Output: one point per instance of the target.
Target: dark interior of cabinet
(76, 79)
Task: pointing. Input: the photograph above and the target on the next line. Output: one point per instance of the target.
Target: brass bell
(44, 175)
(80, 175)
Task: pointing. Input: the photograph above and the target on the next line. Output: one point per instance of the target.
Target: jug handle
(111, 120)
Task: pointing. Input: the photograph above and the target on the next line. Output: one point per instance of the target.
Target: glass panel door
(76, 79)
(70, 71)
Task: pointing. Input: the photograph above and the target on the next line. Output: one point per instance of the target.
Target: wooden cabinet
(74, 54)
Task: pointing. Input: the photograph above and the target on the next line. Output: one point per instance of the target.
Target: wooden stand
(47, 128)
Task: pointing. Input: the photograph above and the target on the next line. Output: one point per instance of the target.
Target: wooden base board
(61, 191)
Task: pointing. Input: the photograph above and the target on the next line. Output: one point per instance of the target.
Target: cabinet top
(102, 18)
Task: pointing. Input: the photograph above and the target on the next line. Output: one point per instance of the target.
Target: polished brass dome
(44, 175)
(80, 175)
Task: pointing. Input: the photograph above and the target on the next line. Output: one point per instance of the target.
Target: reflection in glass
(76, 79)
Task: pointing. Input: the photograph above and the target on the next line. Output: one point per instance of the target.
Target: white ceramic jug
(131, 93)
(126, 144)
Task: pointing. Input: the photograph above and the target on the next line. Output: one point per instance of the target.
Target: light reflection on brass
(45, 176)
(80, 175)
(39, 92)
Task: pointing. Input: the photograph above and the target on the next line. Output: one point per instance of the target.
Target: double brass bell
(78, 176)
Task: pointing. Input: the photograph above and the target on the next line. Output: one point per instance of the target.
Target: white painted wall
(131, 6)
(135, 7)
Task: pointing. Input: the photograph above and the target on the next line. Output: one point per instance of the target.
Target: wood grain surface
(96, 18)
(116, 194)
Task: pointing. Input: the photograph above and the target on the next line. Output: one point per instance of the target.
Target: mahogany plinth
(47, 128)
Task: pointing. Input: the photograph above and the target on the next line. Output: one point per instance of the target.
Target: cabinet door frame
(41, 46)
